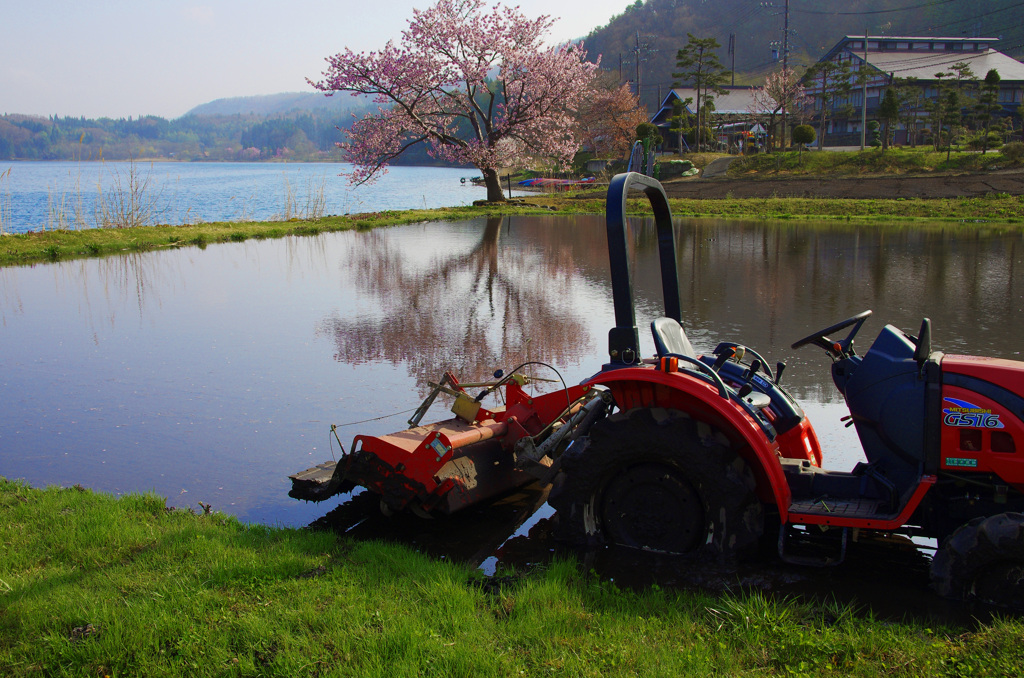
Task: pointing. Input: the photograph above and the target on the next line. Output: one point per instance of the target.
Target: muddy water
(209, 375)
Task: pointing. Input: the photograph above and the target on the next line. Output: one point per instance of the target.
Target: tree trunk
(493, 183)
(697, 136)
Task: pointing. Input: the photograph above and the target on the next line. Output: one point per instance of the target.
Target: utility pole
(785, 68)
(732, 53)
(785, 38)
(864, 95)
(636, 55)
(785, 58)
(640, 51)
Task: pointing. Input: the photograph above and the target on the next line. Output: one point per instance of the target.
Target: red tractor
(709, 455)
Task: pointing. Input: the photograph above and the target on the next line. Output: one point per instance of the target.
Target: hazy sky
(117, 58)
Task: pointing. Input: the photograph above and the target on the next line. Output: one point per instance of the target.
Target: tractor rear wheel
(983, 561)
(656, 480)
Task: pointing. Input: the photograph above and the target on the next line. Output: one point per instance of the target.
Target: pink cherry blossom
(475, 83)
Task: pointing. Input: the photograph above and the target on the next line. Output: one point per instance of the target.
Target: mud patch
(885, 577)
(470, 536)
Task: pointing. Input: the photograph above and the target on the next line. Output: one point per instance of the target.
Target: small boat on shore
(557, 184)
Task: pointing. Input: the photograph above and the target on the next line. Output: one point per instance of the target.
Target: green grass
(38, 246)
(870, 162)
(999, 209)
(93, 586)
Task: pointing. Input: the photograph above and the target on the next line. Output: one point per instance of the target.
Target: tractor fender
(645, 387)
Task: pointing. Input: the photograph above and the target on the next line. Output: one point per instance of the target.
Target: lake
(211, 374)
(46, 195)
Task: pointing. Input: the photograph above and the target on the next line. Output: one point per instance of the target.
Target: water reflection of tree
(472, 312)
(129, 279)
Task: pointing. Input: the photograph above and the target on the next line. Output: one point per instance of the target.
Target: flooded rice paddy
(211, 374)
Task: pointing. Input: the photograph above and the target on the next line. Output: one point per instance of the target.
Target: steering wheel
(835, 349)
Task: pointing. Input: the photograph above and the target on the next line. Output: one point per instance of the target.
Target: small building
(733, 109)
(919, 58)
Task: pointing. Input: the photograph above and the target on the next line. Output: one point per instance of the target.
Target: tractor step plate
(847, 508)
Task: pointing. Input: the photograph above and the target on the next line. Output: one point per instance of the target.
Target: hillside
(291, 126)
(653, 31)
(288, 126)
(284, 103)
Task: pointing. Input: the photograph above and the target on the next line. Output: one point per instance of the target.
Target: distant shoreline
(995, 212)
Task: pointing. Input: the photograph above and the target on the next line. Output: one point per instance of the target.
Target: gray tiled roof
(924, 65)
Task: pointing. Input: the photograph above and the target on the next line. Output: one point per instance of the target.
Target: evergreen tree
(699, 66)
(829, 82)
(680, 121)
(802, 135)
(889, 112)
(911, 96)
(988, 104)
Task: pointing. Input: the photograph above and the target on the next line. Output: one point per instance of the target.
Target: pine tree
(889, 112)
(988, 104)
(830, 83)
(700, 66)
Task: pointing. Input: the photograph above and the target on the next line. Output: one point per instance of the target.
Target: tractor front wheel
(656, 480)
(983, 561)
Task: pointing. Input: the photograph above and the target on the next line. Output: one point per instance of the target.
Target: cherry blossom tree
(608, 117)
(781, 91)
(474, 83)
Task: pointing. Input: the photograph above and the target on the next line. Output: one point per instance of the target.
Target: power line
(975, 17)
(934, 3)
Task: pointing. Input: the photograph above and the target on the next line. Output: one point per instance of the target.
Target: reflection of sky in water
(212, 374)
(47, 195)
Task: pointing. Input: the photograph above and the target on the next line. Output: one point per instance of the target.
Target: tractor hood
(1008, 374)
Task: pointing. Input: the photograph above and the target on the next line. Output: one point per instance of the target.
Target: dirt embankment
(918, 186)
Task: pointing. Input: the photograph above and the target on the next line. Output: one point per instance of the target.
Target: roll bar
(624, 338)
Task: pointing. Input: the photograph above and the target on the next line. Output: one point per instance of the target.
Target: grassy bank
(93, 586)
(874, 162)
(53, 245)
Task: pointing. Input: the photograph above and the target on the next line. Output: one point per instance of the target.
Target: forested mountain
(652, 32)
(284, 104)
(296, 126)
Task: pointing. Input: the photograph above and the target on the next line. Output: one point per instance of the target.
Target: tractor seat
(669, 337)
